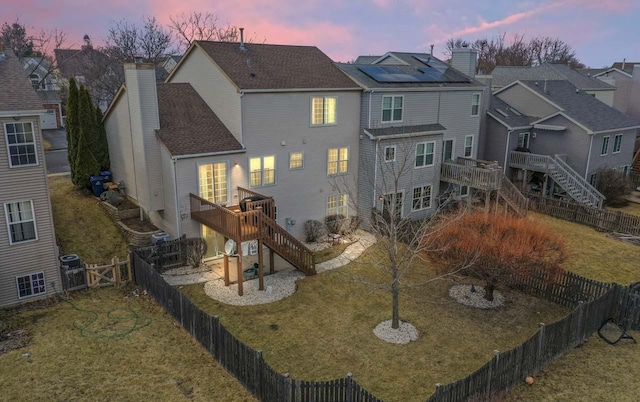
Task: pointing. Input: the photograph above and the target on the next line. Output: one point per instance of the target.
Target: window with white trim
(21, 221)
(475, 104)
(323, 110)
(337, 161)
(593, 179)
(392, 108)
(617, 143)
(468, 146)
(425, 152)
(296, 160)
(447, 150)
(213, 182)
(390, 153)
(421, 198)
(337, 205)
(523, 140)
(21, 143)
(605, 145)
(624, 169)
(31, 285)
(262, 171)
(464, 191)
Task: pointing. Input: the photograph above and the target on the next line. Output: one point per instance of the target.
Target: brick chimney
(464, 60)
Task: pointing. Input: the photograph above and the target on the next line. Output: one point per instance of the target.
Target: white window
(338, 161)
(523, 140)
(447, 150)
(31, 285)
(617, 143)
(21, 143)
(390, 153)
(475, 104)
(425, 152)
(624, 170)
(421, 198)
(392, 205)
(35, 82)
(262, 171)
(468, 146)
(392, 108)
(337, 205)
(605, 145)
(464, 191)
(593, 179)
(21, 221)
(323, 111)
(213, 182)
(296, 160)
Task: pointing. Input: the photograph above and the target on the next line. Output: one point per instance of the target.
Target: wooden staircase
(255, 223)
(635, 165)
(513, 197)
(575, 185)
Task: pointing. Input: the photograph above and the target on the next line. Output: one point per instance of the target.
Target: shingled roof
(505, 75)
(188, 126)
(508, 115)
(263, 66)
(16, 92)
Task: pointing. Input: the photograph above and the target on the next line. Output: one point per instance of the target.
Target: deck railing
(217, 217)
(475, 177)
(514, 197)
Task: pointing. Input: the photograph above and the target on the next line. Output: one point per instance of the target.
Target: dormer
(390, 59)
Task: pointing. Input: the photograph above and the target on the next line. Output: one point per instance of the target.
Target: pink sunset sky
(601, 31)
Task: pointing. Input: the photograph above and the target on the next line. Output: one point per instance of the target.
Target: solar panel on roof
(434, 72)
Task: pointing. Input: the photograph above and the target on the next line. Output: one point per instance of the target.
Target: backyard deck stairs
(513, 198)
(635, 165)
(562, 174)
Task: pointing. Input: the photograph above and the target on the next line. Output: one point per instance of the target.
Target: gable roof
(264, 67)
(188, 126)
(76, 62)
(507, 115)
(505, 75)
(625, 65)
(16, 92)
(610, 70)
(409, 63)
(582, 107)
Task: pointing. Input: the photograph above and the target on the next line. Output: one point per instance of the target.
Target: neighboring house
(164, 68)
(558, 131)
(234, 120)
(627, 83)
(43, 80)
(29, 268)
(505, 75)
(418, 114)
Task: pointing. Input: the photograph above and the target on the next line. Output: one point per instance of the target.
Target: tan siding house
(29, 267)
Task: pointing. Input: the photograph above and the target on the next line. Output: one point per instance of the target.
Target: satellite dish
(230, 247)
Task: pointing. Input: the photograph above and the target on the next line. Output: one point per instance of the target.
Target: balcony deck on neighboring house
(255, 220)
(561, 173)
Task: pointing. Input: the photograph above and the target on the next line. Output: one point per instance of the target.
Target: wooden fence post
(116, 270)
(438, 390)
(349, 387)
(540, 346)
(580, 338)
(216, 346)
(258, 371)
(286, 388)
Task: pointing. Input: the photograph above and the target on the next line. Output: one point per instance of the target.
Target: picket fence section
(593, 303)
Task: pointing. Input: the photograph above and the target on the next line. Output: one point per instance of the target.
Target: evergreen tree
(86, 163)
(72, 126)
(102, 154)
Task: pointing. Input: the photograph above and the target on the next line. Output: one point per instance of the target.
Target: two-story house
(554, 130)
(29, 268)
(232, 121)
(43, 80)
(419, 116)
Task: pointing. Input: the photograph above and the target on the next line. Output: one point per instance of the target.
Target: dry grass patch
(330, 253)
(82, 227)
(325, 330)
(631, 208)
(592, 254)
(157, 362)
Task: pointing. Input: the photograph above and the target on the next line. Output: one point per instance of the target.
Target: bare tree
(399, 223)
(199, 25)
(126, 41)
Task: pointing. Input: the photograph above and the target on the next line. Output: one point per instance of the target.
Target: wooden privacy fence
(115, 274)
(243, 362)
(580, 213)
(593, 302)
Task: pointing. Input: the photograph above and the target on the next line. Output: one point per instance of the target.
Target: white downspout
(588, 158)
(175, 197)
(506, 152)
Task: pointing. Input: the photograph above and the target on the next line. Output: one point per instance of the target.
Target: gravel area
(464, 295)
(405, 334)
(277, 287)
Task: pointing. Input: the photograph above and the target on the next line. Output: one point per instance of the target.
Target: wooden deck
(474, 173)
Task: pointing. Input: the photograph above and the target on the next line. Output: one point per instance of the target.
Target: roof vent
(242, 46)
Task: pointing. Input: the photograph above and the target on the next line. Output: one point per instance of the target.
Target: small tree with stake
(501, 246)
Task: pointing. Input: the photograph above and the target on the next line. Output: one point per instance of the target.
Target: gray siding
(214, 87)
(118, 129)
(167, 219)
(526, 101)
(272, 119)
(496, 142)
(611, 160)
(41, 255)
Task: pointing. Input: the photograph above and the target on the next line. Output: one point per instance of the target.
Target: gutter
(24, 113)
(615, 129)
(407, 135)
(190, 156)
(269, 90)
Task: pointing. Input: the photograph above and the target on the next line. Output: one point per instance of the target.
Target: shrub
(336, 223)
(313, 230)
(614, 186)
(195, 248)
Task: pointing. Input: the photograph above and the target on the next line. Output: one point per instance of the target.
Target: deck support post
(260, 268)
(272, 268)
(226, 269)
(240, 278)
